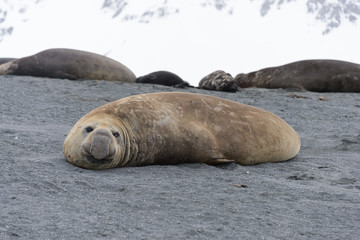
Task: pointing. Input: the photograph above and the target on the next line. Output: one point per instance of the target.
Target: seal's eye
(116, 134)
(89, 129)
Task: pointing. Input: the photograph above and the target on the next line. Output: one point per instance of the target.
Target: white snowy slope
(191, 38)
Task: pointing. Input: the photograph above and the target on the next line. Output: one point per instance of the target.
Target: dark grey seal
(163, 78)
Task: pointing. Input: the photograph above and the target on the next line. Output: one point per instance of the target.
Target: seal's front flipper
(219, 161)
(64, 75)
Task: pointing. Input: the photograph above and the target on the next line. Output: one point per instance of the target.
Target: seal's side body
(173, 128)
(69, 64)
(311, 75)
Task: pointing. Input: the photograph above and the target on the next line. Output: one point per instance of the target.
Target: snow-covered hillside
(190, 37)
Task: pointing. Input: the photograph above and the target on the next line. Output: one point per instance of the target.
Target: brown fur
(172, 128)
(311, 75)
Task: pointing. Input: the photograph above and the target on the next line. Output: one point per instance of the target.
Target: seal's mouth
(91, 159)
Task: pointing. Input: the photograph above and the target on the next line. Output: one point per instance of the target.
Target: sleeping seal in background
(219, 81)
(69, 64)
(311, 75)
(173, 128)
(163, 78)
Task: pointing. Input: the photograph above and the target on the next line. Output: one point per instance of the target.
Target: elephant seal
(69, 64)
(163, 78)
(5, 60)
(311, 75)
(173, 128)
(219, 81)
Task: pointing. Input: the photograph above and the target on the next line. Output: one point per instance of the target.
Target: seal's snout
(99, 145)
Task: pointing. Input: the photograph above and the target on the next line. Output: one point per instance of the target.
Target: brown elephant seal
(163, 78)
(5, 60)
(173, 128)
(69, 64)
(219, 81)
(311, 75)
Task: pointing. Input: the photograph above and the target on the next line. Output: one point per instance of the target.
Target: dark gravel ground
(314, 196)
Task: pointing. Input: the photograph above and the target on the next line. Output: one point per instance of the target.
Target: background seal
(69, 64)
(311, 75)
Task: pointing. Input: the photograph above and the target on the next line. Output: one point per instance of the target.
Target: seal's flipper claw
(220, 161)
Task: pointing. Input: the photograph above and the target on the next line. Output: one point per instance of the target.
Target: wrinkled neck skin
(128, 150)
